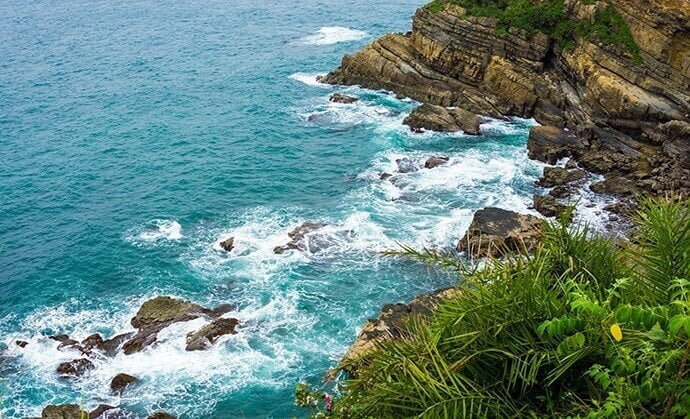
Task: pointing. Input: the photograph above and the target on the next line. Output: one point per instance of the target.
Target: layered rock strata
(612, 114)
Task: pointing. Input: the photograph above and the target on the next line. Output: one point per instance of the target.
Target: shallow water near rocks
(136, 136)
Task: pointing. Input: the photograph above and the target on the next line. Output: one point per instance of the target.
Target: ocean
(135, 136)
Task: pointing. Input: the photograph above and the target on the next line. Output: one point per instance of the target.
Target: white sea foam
(257, 354)
(310, 79)
(154, 232)
(332, 35)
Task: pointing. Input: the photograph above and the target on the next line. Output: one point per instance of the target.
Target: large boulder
(63, 411)
(157, 314)
(120, 382)
(204, 337)
(438, 118)
(495, 232)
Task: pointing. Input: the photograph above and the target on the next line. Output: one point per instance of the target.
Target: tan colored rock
(495, 232)
(438, 118)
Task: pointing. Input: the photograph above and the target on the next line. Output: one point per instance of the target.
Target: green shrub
(579, 328)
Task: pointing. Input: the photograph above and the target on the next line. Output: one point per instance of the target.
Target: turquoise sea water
(135, 136)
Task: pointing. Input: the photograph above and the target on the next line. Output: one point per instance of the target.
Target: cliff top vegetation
(552, 18)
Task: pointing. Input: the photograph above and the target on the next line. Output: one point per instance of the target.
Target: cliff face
(623, 111)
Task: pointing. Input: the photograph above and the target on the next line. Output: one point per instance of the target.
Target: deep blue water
(134, 136)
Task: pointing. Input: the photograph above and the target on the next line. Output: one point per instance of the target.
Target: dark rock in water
(157, 314)
(438, 118)
(60, 338)
(63, 411)
(549, 144)
(204, 337)
(75, 368)
(558, 176)
(161, 415)
(221, 309)
(385, 176)
(548, 206)
(341, 98)
(21, 343)
(91, 342)
(111, 345)
(69, 343)
(228, 244)
(560, 192)
(100, 412)
(121, 381)
(495, 232)
(435, 161)
(297, 237)
(390, 324)
(615, 185)
(406, 165)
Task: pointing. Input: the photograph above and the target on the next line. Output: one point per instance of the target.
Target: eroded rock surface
(495, 232)
(298, 237)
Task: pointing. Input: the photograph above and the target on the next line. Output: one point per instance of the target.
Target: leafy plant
(579, 328)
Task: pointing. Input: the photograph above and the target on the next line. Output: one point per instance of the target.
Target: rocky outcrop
(341, 98)
(75, 368)
(156, 314)
(559, 176)
(120, 382)
(298, 238)
(602, 107)
(547, 206)
(160, 415)
(435, 161)
(228, 244)
(390, 324)
(204, 337)
(438, 118)
(495, 232)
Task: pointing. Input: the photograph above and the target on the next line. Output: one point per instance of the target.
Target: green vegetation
(582, 327)
(550, 17)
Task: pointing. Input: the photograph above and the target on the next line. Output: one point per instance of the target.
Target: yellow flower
(616, 332)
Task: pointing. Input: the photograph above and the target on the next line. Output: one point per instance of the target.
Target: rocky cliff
(623, 115)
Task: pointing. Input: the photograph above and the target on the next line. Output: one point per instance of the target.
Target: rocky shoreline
(609, 115)
(613, 116)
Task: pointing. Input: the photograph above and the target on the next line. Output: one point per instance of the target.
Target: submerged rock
(341, 98)
(298, 236)
(407, 165)
(63, 411)
(75, 367)
(228, 244)
(438, 118)
(203, 338)
(120, 382)
(496, 232)
(161, 415)
(105, 411)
